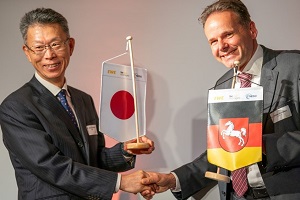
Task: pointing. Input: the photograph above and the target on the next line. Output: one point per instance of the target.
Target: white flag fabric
(117, 117)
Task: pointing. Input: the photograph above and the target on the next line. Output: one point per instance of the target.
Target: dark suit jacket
(51, 157)
(280, 78)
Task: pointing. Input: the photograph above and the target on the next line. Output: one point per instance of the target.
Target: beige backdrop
(167, 40)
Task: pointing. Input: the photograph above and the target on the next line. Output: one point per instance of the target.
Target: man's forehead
(45, 31)
(44, 26)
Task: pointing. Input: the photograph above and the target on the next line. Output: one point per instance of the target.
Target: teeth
(228, 54)
(53, 65)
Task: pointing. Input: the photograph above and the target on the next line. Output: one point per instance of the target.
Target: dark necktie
(239, 176)
(63, 100)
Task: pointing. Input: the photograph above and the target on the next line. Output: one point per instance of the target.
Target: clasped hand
(147, 183)
(157, 183)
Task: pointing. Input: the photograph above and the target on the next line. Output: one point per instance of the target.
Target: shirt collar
(255, 64)
(52, 88)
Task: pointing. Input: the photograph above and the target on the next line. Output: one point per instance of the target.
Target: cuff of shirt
(177, 187)
(118, 183)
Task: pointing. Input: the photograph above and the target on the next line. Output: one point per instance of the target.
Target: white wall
(167, 40)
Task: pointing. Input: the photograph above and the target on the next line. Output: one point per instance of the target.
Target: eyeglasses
(41, 49)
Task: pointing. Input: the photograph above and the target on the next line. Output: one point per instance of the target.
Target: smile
(227, 54)
(52, 65)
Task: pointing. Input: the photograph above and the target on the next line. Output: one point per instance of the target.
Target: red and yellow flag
(234, 132)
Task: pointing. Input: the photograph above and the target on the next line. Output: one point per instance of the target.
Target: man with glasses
(51, 129)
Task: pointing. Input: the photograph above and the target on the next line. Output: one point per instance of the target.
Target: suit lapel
(225, 81)
(47, 100)
(76, 100)
(268, 81)
(51, 103)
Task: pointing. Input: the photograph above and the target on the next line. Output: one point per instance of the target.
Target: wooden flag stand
(217, 176)
(138, 144)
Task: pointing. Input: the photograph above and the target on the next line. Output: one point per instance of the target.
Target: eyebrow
(52, 40)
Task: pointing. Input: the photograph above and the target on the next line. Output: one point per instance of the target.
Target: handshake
(147, 183)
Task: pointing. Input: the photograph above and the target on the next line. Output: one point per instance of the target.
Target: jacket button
(224, 193)
(80, 144)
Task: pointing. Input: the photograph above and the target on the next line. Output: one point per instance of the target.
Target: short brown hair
(236, 6)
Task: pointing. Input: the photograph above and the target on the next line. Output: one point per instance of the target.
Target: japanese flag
(117, 113)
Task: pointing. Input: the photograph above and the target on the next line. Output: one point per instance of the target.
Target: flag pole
(138, 144)
(217, 176)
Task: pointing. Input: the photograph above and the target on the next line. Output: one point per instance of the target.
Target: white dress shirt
(254, 67)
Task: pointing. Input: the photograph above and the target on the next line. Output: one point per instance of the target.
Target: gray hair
(42, 16)
(235, 6)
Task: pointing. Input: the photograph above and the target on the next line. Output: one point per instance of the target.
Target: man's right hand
(132, 183)
(163, 182)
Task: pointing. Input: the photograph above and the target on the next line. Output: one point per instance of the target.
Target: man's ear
(71, 45)
(253, 30)
(27, 53)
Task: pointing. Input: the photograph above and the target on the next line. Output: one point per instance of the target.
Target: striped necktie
(245, 79)
(239, 176)
(63, 100)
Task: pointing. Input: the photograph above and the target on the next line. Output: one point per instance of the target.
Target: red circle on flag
(122, 104)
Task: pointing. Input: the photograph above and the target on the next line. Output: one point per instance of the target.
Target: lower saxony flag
(234, 131)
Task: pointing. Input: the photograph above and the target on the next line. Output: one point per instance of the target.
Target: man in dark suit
(232, 37)
(58, 154)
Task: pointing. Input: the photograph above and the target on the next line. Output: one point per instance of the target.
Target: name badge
(92, 129)
(280, 114)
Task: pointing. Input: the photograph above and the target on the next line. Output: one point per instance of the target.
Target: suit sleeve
(282, 148)
(192, 177)
(33, 150)
(282, 140)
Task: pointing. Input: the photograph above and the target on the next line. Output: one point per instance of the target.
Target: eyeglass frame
(46, 47)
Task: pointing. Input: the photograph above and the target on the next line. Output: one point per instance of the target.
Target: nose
(49, 54)
(222, 45)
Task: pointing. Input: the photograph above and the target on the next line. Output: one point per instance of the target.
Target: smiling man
(50, 61)
(51, 129)
(232, 35)
(230, 39)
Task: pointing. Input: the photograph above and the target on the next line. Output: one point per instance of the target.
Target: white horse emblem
(234, 133)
